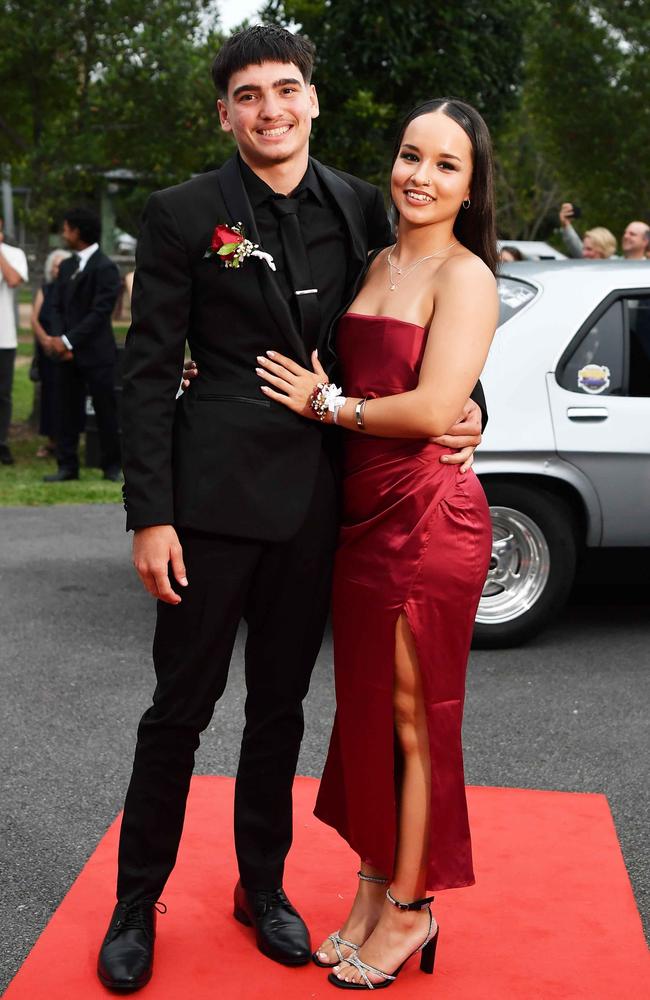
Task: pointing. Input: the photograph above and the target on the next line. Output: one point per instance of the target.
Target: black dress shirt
(323, 232)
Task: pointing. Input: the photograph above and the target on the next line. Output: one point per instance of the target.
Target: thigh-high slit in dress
(415, 540)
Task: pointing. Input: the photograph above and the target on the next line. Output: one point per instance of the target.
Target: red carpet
(552, 916)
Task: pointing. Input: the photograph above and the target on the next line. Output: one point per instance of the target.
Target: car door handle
(587, 413)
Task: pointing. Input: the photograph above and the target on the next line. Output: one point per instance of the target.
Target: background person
(597, 244)
(509, 254)
(41, 321)
(83, 299)
(635, 241)
(13, 271)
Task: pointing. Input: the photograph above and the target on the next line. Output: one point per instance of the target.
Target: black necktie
(305, 296)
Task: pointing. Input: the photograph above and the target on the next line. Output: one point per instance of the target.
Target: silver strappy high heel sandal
(427, 948)
(336, 938)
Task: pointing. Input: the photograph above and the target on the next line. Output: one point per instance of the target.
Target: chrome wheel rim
(519, 567)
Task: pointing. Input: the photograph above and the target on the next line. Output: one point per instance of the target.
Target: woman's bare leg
(398, 933)
(362, 918)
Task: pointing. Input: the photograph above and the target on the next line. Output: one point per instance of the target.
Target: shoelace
(271, 898)
(277, 896)
(133, 917)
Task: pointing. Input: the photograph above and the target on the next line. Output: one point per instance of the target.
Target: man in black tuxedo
(82, 340)
(233, 498)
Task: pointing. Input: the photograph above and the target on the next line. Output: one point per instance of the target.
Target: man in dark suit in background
(232, 491)
(84, 297)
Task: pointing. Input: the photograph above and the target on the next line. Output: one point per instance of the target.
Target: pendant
(392, 287)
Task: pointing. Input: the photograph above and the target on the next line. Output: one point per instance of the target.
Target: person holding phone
(597, 244)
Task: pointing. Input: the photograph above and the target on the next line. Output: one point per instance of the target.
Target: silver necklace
(393, 282)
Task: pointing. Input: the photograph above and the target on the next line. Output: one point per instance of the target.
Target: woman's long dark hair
(474, 227)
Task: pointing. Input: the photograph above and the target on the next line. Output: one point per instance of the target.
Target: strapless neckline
(392, 319)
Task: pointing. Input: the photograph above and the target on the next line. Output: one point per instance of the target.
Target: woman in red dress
(414, 545)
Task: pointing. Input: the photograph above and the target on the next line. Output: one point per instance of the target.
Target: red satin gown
(416, 540)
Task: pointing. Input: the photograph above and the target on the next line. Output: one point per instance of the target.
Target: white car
(565, 459)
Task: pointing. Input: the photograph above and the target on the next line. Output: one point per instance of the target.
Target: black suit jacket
(222, 458)
(82, 305)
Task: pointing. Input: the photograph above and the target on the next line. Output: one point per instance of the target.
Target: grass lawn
(22, 484)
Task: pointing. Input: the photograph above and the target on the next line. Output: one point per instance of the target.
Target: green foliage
(376, 61)
(93, 85)
(587, 79)
(22, 484)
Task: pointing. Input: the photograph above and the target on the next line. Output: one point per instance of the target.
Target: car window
(513, 296)
(612, 358)
(638, 313)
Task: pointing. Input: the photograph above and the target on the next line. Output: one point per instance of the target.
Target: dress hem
(430, 886)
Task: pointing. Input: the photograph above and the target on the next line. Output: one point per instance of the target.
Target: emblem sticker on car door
(594, 379)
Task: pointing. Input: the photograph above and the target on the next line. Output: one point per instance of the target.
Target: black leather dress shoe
(60, 476)
(6, 458)
(125, 960)
(280, 930)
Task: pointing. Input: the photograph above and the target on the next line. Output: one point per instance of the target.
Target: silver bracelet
(358, 413)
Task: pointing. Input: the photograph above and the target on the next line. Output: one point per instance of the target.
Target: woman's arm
(39, 331)
(458, 341)
(465, 318)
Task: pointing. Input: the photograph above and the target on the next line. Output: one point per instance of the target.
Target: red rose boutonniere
(230, 246)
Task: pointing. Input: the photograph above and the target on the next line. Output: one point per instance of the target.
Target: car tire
(532, 567)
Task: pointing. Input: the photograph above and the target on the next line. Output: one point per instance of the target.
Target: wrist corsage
(327, 398)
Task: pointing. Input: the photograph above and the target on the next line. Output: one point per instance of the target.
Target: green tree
(93, 85)
(585, 91)
(376, 61)
(528, 190)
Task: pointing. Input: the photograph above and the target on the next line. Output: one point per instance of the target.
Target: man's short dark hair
(259, 44)
(87, 222)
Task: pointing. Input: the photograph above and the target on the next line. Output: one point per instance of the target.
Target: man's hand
(464, 436)
(190, 371)
(154, 549)
(58, 350)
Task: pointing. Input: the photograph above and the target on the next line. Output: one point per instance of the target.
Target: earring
(466, 203)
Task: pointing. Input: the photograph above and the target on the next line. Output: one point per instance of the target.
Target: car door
(600, 407)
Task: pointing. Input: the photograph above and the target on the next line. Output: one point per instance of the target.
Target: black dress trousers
(71, 386)
(282, 591)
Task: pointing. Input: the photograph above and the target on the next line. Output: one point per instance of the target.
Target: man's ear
(222, 110)
(313, 100)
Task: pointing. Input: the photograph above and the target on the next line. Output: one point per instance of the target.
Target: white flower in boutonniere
(230, 246)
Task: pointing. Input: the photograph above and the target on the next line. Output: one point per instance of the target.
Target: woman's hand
(290, 384)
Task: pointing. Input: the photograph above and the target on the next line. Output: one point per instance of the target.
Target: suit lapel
(239, 209)
(68, 281)
(346, 198)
